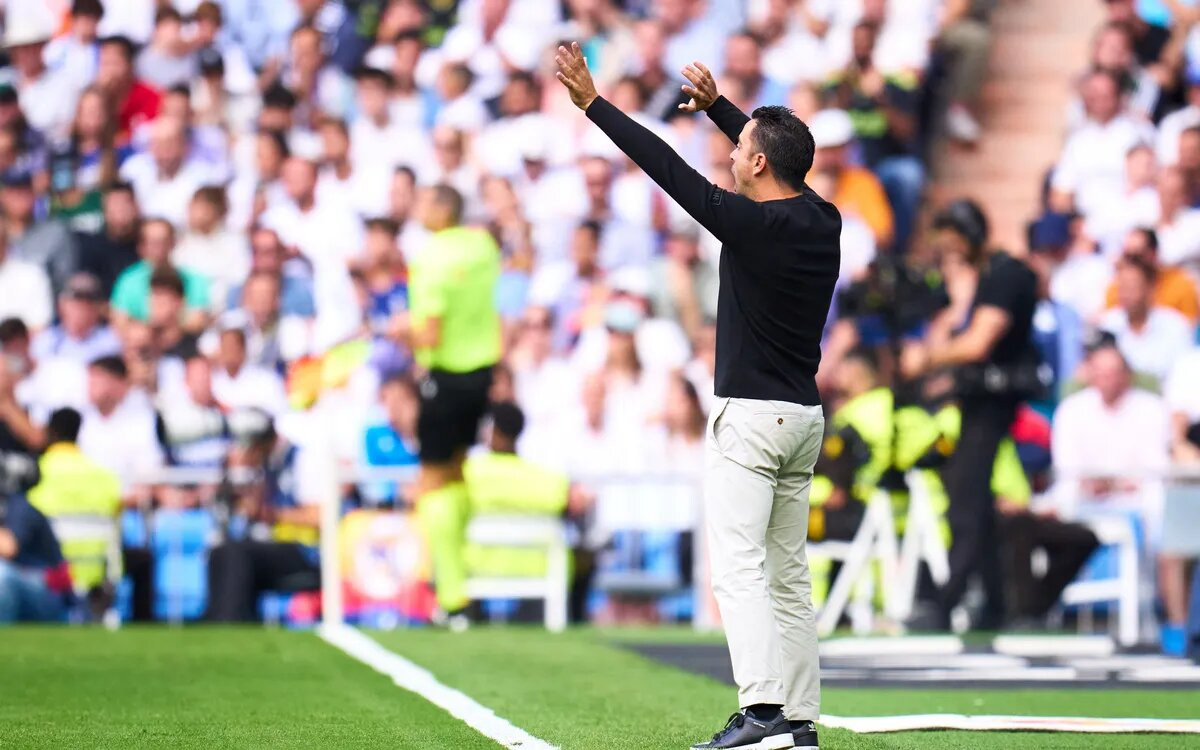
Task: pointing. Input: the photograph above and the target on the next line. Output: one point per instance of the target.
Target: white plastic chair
(525, 531)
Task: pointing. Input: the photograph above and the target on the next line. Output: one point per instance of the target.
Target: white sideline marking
(422, 682)
(1009, 723)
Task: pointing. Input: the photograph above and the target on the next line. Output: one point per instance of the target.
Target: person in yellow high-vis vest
(81, 499)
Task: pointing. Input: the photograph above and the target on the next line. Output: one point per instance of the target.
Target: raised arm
(720, 211)
(726, 116)
(704, 96)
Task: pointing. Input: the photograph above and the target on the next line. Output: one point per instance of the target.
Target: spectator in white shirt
(410, 104)
(1177, 223)
(47, 97)
(358, 186)
(690, 26)
(321, 89)
(118, 426)
(379, 142)
(24, 289)
(1173, 125)
(1134, 205)
(501, 143)
(239, 385)
(329, 237)
(74, 53)
(1080, 276)
(459, 108)
(168, 60)
(1112, 51)
(1110, 444)
(1150, 337)
(546, 386)
(211, 249)
(165, 179)
(451, 168)
(80, 336)
(1092, 167)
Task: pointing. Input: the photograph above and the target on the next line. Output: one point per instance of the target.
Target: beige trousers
(758, 470)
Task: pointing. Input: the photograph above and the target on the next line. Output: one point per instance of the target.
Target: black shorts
(452, 404)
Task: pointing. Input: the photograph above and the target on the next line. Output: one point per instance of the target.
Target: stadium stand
(245, 191)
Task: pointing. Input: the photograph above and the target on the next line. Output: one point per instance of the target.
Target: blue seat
(180, 547)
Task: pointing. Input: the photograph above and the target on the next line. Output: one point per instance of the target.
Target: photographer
(276, 547)
(995, 367)
(34, 582)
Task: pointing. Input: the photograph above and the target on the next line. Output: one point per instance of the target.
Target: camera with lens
(18, 474)
(187, 423)
(895, 293)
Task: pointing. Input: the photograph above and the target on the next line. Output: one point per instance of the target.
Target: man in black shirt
(996, 368)
(779, 262)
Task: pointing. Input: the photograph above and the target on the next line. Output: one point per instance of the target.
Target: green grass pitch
(255, 688)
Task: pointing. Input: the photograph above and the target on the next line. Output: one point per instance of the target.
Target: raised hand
(574, 74)
(703, 89)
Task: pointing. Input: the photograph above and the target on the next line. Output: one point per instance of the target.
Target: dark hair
(12, 329)
(279, 140)
(90, 8)
(119, 186)
(592, 226)
(179, 89)
(1150, 236)
(167, 279)
(167, 13)
(447, 196)
(508, 420)
(63, 426)
(864, 355)
(1111, 76)
(1141, 265)
(639, 88)
(463, 72)
(382, 224)
(967, 219)
(407, 171)
(214, 195)
(208, 11)
(367, 73)
(278, 96)
(786, 142)
(111, 364)
(128, 48)
(525, 77)
(409, 35)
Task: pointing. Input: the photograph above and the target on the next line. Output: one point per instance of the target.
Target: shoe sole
(774, 742)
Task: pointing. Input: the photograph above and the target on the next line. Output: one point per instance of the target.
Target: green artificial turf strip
(204, 687)
(580, 692)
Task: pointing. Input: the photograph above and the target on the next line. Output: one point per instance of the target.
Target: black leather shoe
(744, 732)
(804, 734)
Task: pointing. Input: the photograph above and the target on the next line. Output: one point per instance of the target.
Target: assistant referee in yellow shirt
(454, 331)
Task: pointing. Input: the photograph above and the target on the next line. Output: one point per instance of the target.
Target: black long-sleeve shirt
(779, 263)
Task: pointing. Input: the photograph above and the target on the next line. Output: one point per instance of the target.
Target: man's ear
(760, 164)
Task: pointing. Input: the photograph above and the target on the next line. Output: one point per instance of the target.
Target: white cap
(831, 128)
(28, 23)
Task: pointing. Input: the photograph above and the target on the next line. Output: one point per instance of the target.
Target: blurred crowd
(200, 200)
